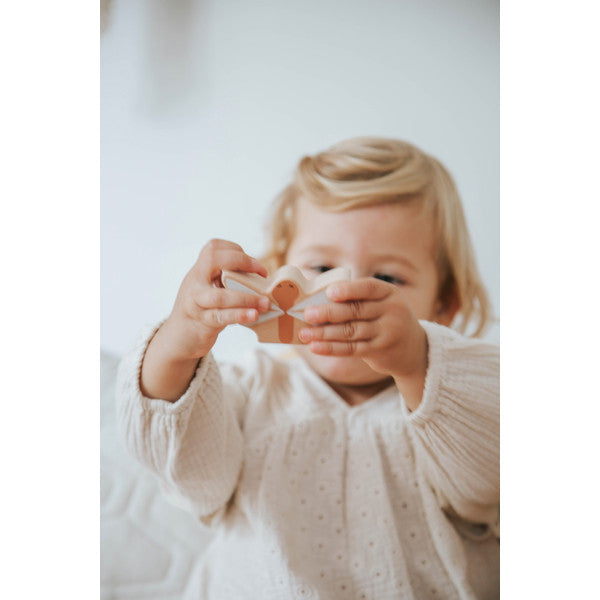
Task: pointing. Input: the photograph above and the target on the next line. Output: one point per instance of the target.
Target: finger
(367, 288)
(348, 331)
(208, 298)
(237, 260)
(220, 243)
(350, 348)
(221, 317)
(340, 312)
(215, 258)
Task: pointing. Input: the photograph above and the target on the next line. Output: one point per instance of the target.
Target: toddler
(366, 465)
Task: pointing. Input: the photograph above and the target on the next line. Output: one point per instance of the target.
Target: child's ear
(448, 305)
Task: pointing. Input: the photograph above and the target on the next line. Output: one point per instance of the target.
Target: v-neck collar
(388, 398)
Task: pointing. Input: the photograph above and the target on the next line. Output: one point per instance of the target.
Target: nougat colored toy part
(290, 294)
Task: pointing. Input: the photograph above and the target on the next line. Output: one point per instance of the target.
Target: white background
(206, 107)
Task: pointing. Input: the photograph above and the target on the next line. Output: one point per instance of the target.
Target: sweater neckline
(388, 398)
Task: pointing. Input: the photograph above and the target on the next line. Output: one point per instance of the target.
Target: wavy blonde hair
(367, 171)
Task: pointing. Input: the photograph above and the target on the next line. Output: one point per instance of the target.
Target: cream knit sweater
(312, 498)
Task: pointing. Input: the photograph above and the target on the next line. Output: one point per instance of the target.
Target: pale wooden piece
(290, 294)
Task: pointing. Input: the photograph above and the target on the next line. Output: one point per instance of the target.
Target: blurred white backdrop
(206, 106)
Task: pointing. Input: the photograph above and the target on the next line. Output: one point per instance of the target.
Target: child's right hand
(202, 309)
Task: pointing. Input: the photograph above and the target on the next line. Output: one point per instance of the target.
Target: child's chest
(326, 471)
(335, 492)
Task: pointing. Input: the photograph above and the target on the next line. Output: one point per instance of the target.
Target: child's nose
(357, 272)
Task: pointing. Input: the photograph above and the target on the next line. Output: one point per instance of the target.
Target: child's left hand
(370, 319)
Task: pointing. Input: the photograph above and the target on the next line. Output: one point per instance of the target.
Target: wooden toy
(290, 294)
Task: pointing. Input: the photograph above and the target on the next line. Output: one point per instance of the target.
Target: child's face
(393, 242)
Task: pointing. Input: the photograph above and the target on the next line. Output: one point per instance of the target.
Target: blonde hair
(367, 171)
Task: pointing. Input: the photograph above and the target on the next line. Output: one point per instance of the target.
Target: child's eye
(390, 279)
(321, 268)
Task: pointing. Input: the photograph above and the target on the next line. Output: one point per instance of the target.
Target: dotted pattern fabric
(329, 501)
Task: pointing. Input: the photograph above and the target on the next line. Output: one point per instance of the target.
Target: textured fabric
(149, 549)
(312, 498)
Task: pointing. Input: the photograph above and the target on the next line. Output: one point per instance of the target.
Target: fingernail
(318, 347)
(305, 335)
(311, 314)
(264, 303)
(251, 314)
(333, 292)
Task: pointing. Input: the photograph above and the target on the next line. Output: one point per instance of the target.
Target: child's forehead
(380, 230)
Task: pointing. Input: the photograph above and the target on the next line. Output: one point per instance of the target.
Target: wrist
(411, 383)
(179, 342)
(165, 373)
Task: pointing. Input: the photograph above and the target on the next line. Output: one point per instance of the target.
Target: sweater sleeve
(455, 429)
(194, 445)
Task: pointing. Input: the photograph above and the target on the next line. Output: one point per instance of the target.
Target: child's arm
(201, 311)
(456, 429)
(194, 446)
(175, 413)
(449, 382)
